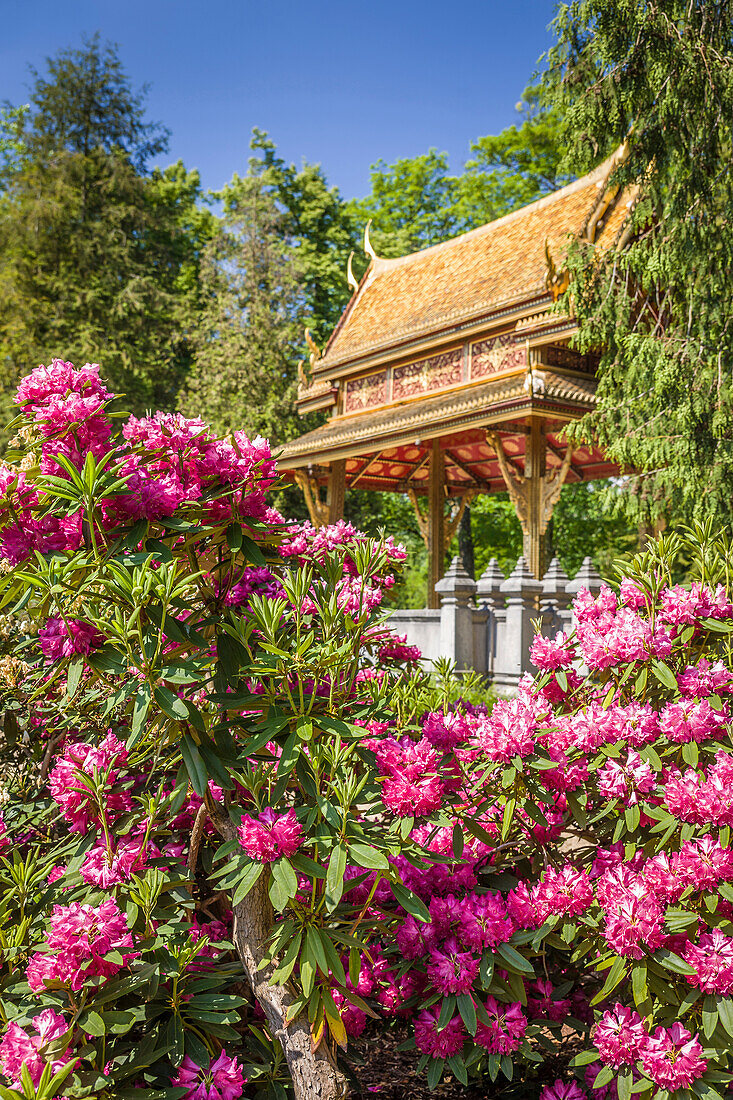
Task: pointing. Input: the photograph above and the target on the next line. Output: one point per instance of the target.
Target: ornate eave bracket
(534, 493)
(317, 509)
(452, 522)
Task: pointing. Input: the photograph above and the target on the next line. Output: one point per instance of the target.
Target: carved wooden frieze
(498, 354)
(428, 374)
(365, 392)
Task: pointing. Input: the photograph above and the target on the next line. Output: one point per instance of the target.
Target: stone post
(586, 577)
(488, 596)
(456, 592)
(554, 598)
(522, 593)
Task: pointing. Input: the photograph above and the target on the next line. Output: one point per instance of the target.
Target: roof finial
(350, 276)
(367, 243)
(312, 347)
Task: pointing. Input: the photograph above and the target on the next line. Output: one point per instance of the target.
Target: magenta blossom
(223, 1079)
(269, 836)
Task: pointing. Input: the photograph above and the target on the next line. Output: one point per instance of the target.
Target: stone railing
(488, 625)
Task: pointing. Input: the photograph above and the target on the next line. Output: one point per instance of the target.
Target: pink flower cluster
(222, 1079)
(670, 1057)
(689, 796)
(270, 835)
(165, 459)
(18, 1048)
(412, 786)
(80, 939)
(64, 639)
(74, 797)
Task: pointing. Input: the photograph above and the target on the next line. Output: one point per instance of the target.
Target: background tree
(660, 76)
(98, 257)
(244, 375)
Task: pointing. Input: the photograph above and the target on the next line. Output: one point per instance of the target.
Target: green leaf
(514, 960)
(725, 1013)
(672, 962)
(335, 876)
(366, 856)
(92, 1023)
(615, 975)
(410, 902)
(639, 985)
(435, 1072)
(170, 703)
(194, 765)
(467, 1009)
(73, 675)
(247, 881)
(624, 1081)
(664, 674)
(233, 535)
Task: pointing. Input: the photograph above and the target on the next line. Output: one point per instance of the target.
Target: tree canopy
(99, 256)
(659, 78)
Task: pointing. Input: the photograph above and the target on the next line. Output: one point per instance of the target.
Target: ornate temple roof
(476, 275)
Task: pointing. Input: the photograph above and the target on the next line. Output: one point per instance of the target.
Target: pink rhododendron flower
(64, 639)
(5, 844)
(76, 801)
(626, 781)
(270, 835)
(672, 1058)
(18, 1048)
(552, 653)
(451, 969)
(563, 1090)
(106, 868)
(712, 959)
(80, 938)
(438, 1044)
(619, 1036)
(506, 1030)
(223, 1079)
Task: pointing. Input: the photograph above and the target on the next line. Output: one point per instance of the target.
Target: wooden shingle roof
(478, 273)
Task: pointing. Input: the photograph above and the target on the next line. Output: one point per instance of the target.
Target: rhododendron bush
(242, 828)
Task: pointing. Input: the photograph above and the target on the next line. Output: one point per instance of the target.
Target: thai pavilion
(450, 374)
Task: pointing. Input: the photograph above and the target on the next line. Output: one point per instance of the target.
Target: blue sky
(334, 82)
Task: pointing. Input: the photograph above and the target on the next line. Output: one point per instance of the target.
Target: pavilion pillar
(336, 490)
(436, 521)
(535, 525)
(534, 491)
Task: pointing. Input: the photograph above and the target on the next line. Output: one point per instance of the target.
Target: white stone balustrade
(488, 625)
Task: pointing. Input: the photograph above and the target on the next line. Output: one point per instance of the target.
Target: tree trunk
(314, 1072)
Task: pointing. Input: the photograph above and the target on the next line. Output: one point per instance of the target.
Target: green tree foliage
(661, 76)
(244, 375)
(413, 203)
(98, 257)
(317, 222)
(517, 166)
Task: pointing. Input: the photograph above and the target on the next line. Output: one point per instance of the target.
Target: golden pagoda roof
(483, 272)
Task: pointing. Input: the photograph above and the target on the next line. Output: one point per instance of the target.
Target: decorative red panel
(428, 374)
(499, 354)
(365, 393)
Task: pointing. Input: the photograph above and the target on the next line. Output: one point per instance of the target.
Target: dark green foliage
(98, 257)
(661, 75)
(244, 374)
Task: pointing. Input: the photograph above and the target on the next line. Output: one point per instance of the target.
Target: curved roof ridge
(600, 172)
